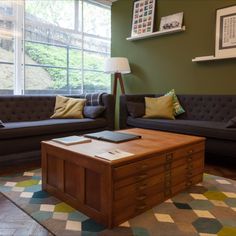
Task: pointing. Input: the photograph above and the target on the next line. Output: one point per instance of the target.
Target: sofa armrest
(109, 114)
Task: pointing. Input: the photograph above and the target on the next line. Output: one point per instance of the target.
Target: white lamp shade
(117, 65)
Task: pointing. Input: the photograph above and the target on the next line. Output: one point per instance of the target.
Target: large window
(54, 46)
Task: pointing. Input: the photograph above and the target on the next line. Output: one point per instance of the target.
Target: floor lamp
(117, 66)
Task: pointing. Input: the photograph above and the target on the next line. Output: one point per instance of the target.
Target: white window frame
(19, 41)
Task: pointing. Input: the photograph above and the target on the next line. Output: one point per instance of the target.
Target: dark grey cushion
(136, 109)
(93, 111)
(209, 129)
(52, 126)
(1, 124)
(231, 123)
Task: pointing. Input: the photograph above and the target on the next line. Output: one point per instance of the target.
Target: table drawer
(156, 160)
(198, 147)
(139, 177)
(186, 184)
(139, 166)
(138, 197)
(137, 208)
(139, 187)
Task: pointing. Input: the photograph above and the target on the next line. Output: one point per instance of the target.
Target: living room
(117, 117)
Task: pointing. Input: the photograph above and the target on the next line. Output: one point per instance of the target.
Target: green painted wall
(161, 63)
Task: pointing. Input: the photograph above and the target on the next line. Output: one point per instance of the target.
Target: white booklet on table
(70, 140)
(114, 154)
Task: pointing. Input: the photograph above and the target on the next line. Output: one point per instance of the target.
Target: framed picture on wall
(225, 45)
(143, 17)
(171, 21)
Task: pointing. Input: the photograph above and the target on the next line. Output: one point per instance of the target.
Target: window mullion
(18, 46)
(82, 46)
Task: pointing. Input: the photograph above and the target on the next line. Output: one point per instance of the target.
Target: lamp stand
(122, 88)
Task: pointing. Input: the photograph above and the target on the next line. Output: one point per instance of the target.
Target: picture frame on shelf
(143, 17)
(225, 38)
(171, 21)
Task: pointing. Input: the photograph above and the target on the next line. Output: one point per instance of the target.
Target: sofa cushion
(52, 126)
(93, 111)
(178, 109)
(67, 107)
(209, 129)
(136, 109)
(161, 107)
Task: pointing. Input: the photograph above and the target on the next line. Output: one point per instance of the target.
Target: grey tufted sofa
(27, 122)
(206, 115)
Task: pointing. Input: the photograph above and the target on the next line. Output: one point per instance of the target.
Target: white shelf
(210, 58)
(157, 33)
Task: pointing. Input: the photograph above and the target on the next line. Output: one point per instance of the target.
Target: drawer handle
(144, 167)
(190, 158)
(142, 197)
(142, 187)
(168, 174)
(167, 192)
(141, 207)
(190, 167)
(189, 183)
(190, 151)
(140, 177)
(169, 157)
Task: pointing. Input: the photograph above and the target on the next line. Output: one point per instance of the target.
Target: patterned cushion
(178, 109)
(93, 99)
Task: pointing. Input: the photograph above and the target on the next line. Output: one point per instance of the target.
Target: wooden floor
(14, 221)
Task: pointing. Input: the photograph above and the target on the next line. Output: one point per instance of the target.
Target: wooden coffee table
(112, 192)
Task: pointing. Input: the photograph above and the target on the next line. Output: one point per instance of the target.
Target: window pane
(6, 8)
(75, 82)
(75, 58)
(6, 47)
(59, 13)
(97, 20)
(51, 45)
(41, 53)
(96, 82)
(97, 45)
(6, 79)
(45, 80)
(94, 61)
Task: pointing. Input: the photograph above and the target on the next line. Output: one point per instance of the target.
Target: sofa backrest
(30, 108)
(208, 107)
(197, 107)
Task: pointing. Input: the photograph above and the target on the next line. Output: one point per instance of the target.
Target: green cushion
(178, 109)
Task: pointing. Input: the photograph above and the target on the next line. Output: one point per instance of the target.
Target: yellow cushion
(68, 108)
(161, 107)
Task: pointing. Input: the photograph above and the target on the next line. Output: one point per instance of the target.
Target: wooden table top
(152, 141)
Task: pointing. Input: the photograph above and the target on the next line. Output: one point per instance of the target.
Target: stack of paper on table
(114, 154)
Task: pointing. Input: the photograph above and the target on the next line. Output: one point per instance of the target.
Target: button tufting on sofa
(27, 122)
(206, 115)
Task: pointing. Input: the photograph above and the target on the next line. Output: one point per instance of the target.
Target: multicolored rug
(207, 209)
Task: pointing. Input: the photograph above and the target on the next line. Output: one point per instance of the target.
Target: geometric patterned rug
(207, 209)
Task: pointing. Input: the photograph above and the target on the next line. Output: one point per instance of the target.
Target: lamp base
(117, 78)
